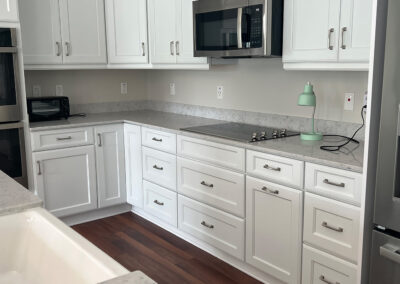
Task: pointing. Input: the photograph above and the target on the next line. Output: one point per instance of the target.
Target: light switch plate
(124, 88)
(172, 90)
(220, 92)
(348, 101)
(59, 90)
(36, 91)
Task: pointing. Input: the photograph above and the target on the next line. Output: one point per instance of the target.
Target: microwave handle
(239, 27)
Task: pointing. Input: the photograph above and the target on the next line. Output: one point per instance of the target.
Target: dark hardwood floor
(140, 245)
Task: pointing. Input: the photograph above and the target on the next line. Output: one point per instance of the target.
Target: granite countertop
(349, 158)
(14, 197)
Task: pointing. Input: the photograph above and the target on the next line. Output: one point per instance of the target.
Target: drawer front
(332, 226)
(214, 186)
(321, 268)
(213, 226)
(62, 138)
(277, 169)
(214, 153)
(159, 168)
(159, 140)
(160, 202)
(334, 183)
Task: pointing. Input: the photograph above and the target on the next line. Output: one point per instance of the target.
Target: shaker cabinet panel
(8, 11)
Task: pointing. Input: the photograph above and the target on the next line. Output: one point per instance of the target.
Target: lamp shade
(307, 98)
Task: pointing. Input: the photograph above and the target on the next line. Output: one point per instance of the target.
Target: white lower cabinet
(110, 161)
(160, 202)
(273, 229)
(66, 179)
(215, 227)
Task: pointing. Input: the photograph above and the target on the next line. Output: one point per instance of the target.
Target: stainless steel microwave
(238, 28)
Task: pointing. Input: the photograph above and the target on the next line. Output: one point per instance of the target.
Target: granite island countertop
(348, 158)
(14, 197)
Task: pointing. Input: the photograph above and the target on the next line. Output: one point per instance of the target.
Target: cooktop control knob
(275, 133)
(283, 133)
(254, 137)
(262, 136)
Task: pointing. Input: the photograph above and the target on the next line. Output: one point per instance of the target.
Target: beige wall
(91, 86)
(261, 85)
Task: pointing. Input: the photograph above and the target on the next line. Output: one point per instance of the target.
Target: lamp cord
(334, 148)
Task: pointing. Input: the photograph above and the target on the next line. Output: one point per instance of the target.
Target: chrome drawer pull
(207, 225)
(330, 32)
(171, 46)
(158, 202)
(59, 48)
(68, 46)
(100, 142)
(270, 190)
(337, 229)
(323, 279)
(156, 139)
(177, 48)
(39, 168)
(343, 44)
(158, 168)
(266, 166)
(207, 184)
(143, 49)
(327, 181)
(64, 138)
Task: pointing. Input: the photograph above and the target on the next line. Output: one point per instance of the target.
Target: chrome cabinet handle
(277, 169)
(158, 168)
(239, 27)
(39, 168)
(177, 48)
(171, 46)
(336, 229)
(207, 184)
(323, 279)
(344, 29)
(100, 142)
(327, 181)
(68, 46)
(64, 138)
(331, 31)
(207, 225)
(143, 49)
(156, 139)
(158, 202)
(59, 48)
(391, 252)
(273, 191)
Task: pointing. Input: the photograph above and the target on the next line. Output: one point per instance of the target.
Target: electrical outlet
(124, 88)
(220, 92)
(172, 90)
(365, 102)
(348, 101)
(59, 90)
(36, 91)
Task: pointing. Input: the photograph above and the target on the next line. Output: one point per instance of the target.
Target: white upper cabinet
(127, 31)
(8, 11)
(326, 35)
(41, 33)
(110, 162)
(83, 31)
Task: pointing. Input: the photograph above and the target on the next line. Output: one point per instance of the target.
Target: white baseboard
(242, 266)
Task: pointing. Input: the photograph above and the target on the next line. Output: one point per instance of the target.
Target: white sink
(36, 247)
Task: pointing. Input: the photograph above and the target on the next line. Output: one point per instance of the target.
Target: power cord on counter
(334, 148)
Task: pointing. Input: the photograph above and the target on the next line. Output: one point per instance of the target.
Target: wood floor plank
(138, 244)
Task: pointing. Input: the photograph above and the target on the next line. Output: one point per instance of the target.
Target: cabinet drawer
(334, 183)
(332, 226)
(159, 168)
(215, 153)
(215, 186)
(278, 169)
(159, 140)
(320, 267)
(215, 227)
(62, 138)
(160, 202)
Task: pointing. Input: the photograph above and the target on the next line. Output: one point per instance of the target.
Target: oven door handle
(239, 27)
(391, 252)
(8, 49)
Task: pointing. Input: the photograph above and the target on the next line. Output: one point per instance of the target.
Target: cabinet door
(126, 31)
(8, 11)
(355, 30)
(66, 180)
(110, 163)
(273, 229)
(162, 25)
(133, 162)
(184, 28)
(41, 33)
(83, 31)
(311, 30)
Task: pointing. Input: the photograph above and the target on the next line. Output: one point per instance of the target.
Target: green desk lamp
(307, 98)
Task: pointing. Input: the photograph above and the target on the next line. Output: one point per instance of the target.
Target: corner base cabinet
(273, 229)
